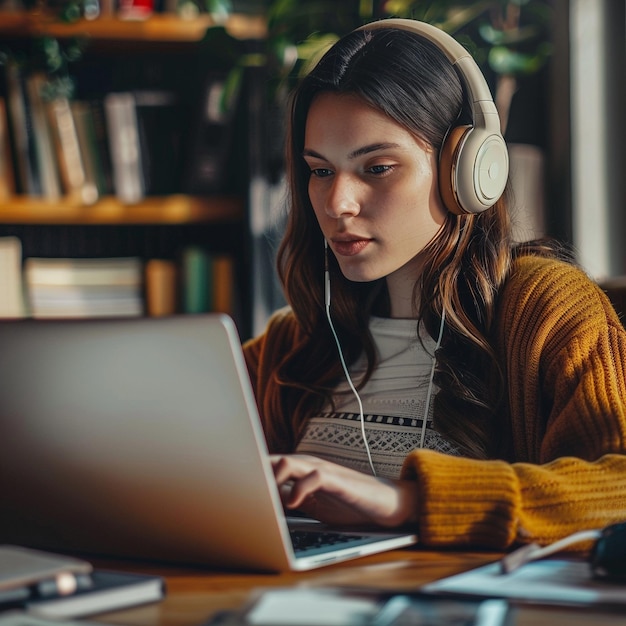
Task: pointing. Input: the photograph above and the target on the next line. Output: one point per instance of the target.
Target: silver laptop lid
(136, 438)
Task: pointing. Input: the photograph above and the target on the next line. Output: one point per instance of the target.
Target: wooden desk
(194, 595)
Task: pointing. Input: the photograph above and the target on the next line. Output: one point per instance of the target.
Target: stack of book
(198, 280)
(11, 287)
(83, 287)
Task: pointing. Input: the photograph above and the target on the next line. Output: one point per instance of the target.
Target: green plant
(48, 55)
(508, 38)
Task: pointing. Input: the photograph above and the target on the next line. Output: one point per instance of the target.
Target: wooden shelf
(157, 28)
(176, 209)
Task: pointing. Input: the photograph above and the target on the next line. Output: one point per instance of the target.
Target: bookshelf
(157, 225)
(158, 28)
(173, 209)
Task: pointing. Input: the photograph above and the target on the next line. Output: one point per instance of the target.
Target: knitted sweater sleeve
(563, 350)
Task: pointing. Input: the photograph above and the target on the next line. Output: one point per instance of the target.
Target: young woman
(483, 400)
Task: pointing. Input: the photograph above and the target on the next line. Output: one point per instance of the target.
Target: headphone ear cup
(473, 169)
(448, 158)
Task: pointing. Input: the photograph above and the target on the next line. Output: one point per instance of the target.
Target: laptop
(140, 438)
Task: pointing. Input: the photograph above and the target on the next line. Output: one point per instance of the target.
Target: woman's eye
(381, 170)
(321, 172)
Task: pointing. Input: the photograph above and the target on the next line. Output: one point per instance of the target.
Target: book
(106, 591)
(45, 152)
(11, 283)
(94, 168)
(124, 145)
(21, 567)
(85, 302)
(160, 286)
(83, 271)
(197, 280)
(159, 126)
(7, 173)
(223, 284)
(101, 140)
(21, 132)
(68, 150)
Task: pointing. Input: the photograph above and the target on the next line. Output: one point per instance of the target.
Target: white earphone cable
(345, 370)
(349, 378)
(432, 375)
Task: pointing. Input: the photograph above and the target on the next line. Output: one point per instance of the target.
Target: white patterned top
(393, 401)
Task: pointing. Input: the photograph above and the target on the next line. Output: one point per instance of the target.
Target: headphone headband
(476, 164)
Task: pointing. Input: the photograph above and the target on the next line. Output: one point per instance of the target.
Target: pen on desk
(533, 551)
(63, 584)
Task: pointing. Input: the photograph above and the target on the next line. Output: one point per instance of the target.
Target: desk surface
(194, 595)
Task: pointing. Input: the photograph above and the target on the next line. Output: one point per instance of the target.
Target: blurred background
(141, 141)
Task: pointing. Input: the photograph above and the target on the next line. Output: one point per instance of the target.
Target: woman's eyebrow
(311, 153)
(374, 147)
(356, 153)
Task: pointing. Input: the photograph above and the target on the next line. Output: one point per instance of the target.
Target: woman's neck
(401, 286)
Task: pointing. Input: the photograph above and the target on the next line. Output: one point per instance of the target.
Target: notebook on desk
(140, 438)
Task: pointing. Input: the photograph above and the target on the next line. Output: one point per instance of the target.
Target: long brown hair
(410, 80)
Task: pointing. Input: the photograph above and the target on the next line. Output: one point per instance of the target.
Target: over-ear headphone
(474, 161)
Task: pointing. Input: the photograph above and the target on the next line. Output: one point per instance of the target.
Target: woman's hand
(338, 495)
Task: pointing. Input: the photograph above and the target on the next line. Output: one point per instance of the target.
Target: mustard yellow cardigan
(563, 350)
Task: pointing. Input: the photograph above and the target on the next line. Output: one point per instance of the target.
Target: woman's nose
(342, 199)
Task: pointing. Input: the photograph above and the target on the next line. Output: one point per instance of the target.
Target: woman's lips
(350, 247)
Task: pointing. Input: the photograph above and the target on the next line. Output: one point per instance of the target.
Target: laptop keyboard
(316, 541)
